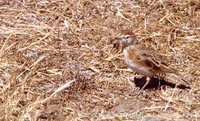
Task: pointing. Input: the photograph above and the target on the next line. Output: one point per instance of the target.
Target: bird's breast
(134, 65)
(138, 68)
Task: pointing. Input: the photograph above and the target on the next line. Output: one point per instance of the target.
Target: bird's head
(126, 38)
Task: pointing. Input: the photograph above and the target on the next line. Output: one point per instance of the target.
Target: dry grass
(56, 64)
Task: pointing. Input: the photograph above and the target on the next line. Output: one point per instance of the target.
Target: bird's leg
(147, 82)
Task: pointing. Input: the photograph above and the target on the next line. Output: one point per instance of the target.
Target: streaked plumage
(144, 61)
(141, 59)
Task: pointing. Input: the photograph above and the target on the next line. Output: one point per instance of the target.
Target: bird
(141, 59)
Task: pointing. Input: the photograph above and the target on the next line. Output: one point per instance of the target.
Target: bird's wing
(153, 61)
(147, 62)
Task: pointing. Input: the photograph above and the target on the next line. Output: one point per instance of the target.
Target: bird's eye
(126, 36)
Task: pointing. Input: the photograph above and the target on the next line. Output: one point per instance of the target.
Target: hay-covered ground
(56, 63)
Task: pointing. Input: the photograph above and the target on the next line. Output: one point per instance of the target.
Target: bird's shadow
(156, 83)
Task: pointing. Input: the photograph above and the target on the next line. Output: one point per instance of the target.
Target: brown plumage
(141, 59)
(145, 62)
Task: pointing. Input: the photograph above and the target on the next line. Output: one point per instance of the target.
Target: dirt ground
(56, 61)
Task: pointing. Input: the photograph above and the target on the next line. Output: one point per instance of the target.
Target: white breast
(135, 66)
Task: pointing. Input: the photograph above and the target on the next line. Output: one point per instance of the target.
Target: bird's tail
(176, 73)
(181, 77)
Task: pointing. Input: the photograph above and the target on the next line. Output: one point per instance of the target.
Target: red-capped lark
(140, 59)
